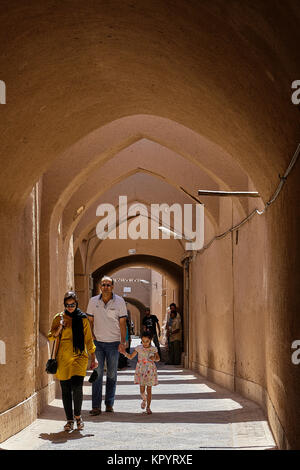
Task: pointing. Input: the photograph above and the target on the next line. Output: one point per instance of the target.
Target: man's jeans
(108, 351)
(175, 352)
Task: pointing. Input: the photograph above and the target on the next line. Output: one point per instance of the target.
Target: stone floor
(188, 413)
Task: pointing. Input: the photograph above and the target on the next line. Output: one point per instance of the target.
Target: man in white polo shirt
(109, 313)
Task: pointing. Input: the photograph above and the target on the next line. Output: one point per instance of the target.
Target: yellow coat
(69, 363)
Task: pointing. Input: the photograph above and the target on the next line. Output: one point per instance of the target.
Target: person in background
(150, 322)
(167, 326)
(175, 336)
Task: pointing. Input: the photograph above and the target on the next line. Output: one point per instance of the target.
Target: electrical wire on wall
(256, 211)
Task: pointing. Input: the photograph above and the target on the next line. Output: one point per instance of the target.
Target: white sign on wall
(2, 352)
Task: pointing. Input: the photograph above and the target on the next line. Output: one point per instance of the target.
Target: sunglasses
(106, 285)
(70, 305)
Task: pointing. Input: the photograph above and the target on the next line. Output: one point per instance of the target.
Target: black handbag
(93, 376)
(51, 366)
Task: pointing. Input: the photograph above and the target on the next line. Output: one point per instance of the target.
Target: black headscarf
(77, 329)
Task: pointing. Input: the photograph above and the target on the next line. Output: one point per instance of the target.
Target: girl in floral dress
(145, 372)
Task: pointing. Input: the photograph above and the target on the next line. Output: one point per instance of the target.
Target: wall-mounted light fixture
(204, 192)
(171, 232)
(78, 212)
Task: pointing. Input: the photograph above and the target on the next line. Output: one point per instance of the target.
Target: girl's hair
(147, 334)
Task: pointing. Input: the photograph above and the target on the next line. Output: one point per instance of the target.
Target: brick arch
(172, 270)
(223, 70)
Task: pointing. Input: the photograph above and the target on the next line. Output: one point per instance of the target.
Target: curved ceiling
(97, 89)
(110, 250)
(134, 139)
(73, 69)
(161, 265)
(134, 187)
(114, 162)
(146, 157)
(139, 305)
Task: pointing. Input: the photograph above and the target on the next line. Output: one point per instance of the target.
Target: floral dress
(145, 372)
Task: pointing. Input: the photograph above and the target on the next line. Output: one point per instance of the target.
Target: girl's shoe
(148, 411)
(79, 423)
(144, 399)
(69, 425)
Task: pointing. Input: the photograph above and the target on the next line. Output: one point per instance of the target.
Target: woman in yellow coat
(75, 343)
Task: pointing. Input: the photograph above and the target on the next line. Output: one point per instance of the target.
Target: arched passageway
(137, 313)
(176, 99)
(147, 293)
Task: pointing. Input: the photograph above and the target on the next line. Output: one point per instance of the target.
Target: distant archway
(141, 308)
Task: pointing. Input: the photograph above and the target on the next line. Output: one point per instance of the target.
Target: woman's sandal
(148, 411)
(69, 425)
(79, 423)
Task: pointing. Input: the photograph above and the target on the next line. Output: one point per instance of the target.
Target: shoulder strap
(52, 349)
(58, 340)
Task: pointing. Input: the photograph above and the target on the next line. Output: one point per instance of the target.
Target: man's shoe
(95, 411)
(109, 409)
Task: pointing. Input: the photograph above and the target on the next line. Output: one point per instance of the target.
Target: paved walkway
(188, 413)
